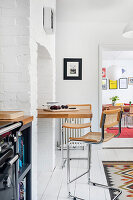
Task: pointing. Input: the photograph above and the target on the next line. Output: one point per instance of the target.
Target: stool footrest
(74, 197)
(99, 185)
(108, 187)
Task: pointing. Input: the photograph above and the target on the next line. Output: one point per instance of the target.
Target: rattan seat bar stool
(82, 107)
(130, 115)
(109, 118)
(76, 131)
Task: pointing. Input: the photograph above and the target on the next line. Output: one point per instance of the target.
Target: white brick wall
(7, 21)
(8, 3)
(21, 31)
(14, 55)
(1, 67)
(45, 145)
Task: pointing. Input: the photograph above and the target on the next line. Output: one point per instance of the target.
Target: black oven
(8, 159)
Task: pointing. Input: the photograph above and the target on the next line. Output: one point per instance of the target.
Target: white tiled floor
(52, 185)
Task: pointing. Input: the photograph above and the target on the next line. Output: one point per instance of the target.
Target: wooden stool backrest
(114, 107)
(131, 109)
(113, 118)
(81, 106)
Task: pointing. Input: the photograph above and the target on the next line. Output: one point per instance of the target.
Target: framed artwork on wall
(104, 72)
(72, 68)
(112, 84)
(123, 83)
(130, 80)
(104, 84)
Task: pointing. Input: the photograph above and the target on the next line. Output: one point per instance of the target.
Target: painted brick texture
(14, 55)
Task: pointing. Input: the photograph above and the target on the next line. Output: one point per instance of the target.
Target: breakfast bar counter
(81, 113)
(25, 119)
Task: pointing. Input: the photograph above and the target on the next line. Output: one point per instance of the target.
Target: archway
(45, 127)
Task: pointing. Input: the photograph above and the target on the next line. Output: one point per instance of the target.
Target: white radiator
(72, 132)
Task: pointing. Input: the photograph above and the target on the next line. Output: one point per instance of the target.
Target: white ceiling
(117, 55)
(95, 10)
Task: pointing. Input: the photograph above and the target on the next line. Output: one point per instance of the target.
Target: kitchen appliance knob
(15, 139)
(7, 181)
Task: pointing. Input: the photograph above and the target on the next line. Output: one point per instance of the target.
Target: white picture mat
(73, 69)
(123, 83)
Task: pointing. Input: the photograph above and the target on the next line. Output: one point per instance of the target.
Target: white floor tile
(119, 143)
(52, 186)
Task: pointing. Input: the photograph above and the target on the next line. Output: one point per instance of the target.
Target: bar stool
(130, 115)
(78, 133)
(109, 118)
(82, 107)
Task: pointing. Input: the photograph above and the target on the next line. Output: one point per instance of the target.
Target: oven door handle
(13, 160)
(10, 128)
(5, 155)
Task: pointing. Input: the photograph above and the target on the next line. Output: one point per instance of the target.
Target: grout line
(101, 169)
(76, 176)
(117, 148)
(47, 184)
(61, 183)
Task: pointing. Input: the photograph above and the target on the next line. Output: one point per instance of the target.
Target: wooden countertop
(82, 113)
(25, 119)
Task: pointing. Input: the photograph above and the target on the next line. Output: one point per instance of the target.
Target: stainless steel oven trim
(10, 127)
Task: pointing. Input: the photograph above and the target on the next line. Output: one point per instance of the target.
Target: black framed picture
(123, 83)
(104, 84)
(72, 68)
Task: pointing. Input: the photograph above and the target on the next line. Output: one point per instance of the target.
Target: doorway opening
(117, 57)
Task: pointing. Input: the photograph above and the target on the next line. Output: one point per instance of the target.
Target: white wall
(81, 39)
(45, 81)
(38, 33)
(14, 55)
(46, 127)
(125, 95)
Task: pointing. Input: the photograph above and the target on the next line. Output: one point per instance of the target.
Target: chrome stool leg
(68, 175)
(88, 172)
(62, 154)
(68, 169)
(89, 161)
(90, 123)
